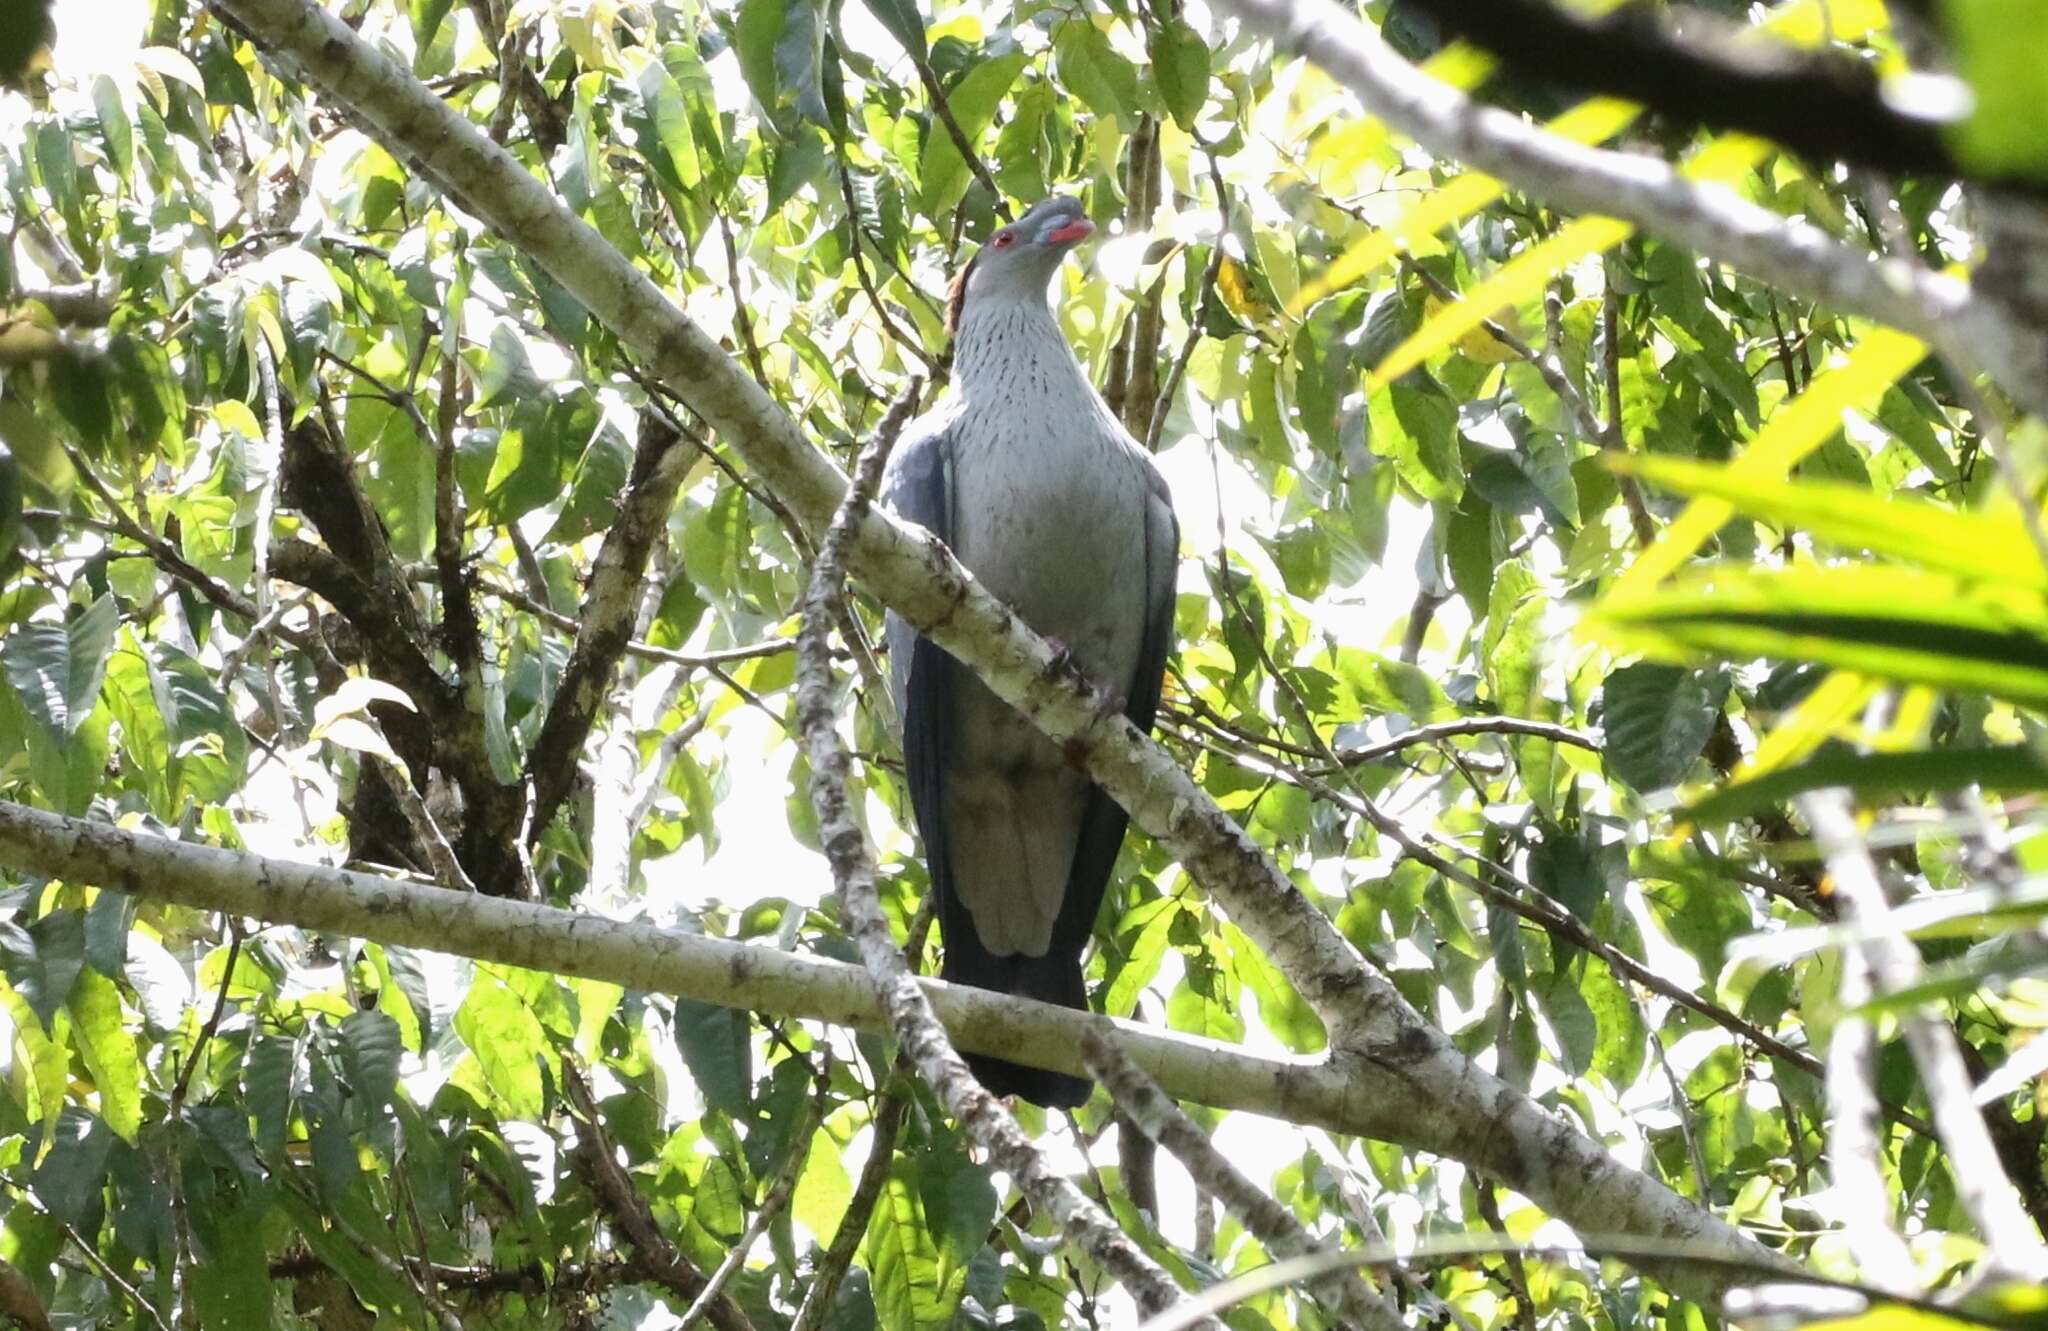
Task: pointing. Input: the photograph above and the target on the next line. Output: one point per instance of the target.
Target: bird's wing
(1104, 820)
(1162, 573)
(918, 487)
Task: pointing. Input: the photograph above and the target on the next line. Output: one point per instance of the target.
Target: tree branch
(606, 625)
(2014, 1244)
(1823, 103)
(853, 1224)
(657, 1258)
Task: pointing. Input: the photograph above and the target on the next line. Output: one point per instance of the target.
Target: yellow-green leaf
(109, 1051)
(1893, 623)
(1796, 429)
(1908, 528)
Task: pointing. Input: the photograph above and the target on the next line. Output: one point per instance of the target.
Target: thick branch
(606, 625)
(1345, 1095)
(395, 653)
(1825, 103)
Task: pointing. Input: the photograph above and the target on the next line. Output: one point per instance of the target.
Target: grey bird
(1044, 496)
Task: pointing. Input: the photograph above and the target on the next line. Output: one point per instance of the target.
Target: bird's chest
(1058, 531)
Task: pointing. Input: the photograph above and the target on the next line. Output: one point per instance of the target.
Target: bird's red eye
(1003, 239)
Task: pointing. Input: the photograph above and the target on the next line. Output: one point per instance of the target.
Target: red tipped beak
(1078, 229)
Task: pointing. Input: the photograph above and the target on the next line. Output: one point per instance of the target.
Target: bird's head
(1018, 261)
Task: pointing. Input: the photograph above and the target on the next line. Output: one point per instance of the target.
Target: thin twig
(1483, 1193)
(1171, 389)
(1161, 1120)
(742, 318)
(107, 1272)
(858, 233)
(212, 1025)
(655, 1257)
(771, 1206)
(717, 656)
(867, 1191)
(1350, 755)
(1682, 1106)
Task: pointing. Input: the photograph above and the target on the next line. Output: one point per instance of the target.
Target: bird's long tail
(1049, 979)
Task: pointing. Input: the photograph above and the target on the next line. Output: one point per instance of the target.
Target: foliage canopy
(334, 528)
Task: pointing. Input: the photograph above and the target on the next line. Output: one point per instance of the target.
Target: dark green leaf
(1180, 65)
(1092, 70)
(717, 1044)
(56, 670)
(1657, 720)
(904, 22)
(1880, 775)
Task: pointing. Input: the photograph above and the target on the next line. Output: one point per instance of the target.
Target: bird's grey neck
(1006, 349)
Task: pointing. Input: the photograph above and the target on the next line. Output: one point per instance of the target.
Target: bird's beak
(1067, 232)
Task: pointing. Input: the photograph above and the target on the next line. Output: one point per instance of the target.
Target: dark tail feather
(1049, 979)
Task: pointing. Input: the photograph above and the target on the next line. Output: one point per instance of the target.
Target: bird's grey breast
(1050, 512)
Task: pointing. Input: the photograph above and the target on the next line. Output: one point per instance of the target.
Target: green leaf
(1565, 868)
(1142, 961)
(758, 29)
(56, 670)
(1997, 49)
(1180, 65)
(661, 126)
(116, 131)
(1623, 1045)
(593, 503)
(959, 1204)
(973, 102)
(267, 1081)
(508, 375)
(45, 971)
(904, 1261)
(1657, 720)
(1915, 531)
(1418, 428)
(1577, 1031)
(1896, 624)
(208, 744)
(822, 1189)
(507, 1039)
(370, 1052)
(904, 22)
(1880, 775)
(1092, 70)
(717, 1044)
(1282, 1010)
(108, 1050)
(70, 1177)
(799, 57)
(232, 1287)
